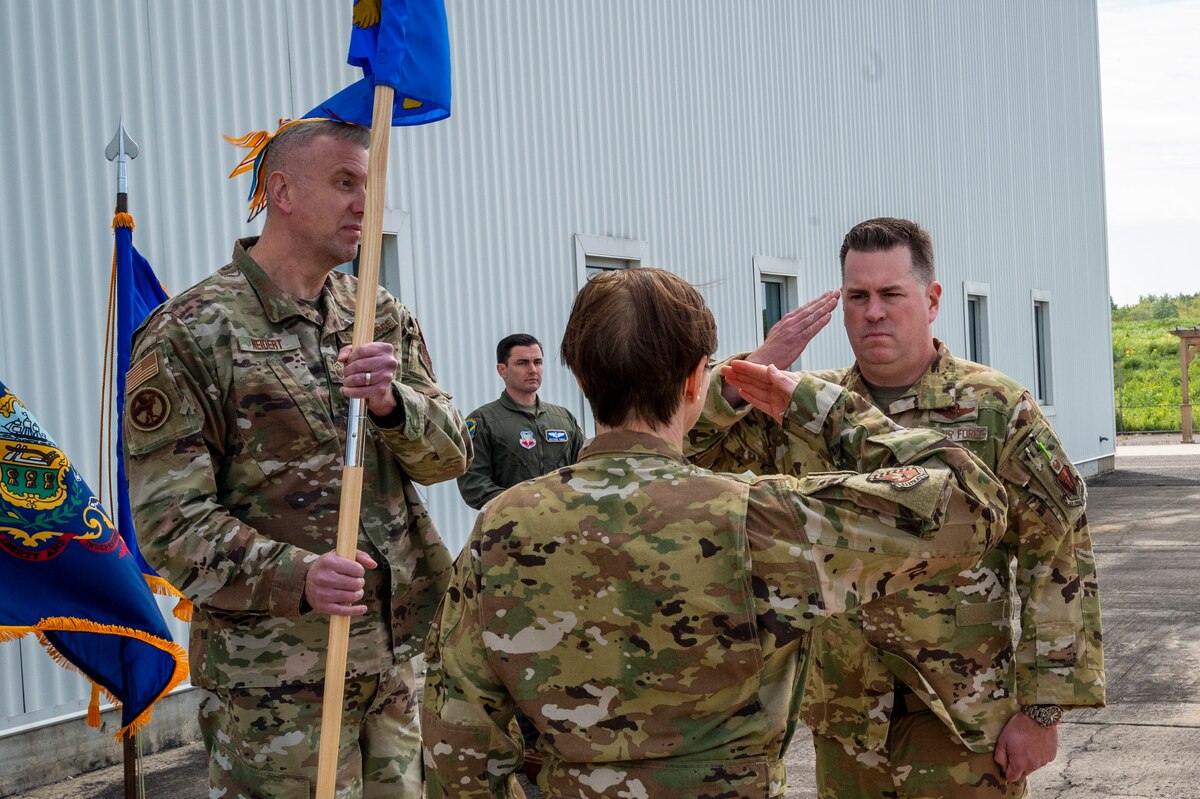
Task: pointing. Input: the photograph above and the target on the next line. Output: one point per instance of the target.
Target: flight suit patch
(527, 440)
(556, 436)
(471, 425)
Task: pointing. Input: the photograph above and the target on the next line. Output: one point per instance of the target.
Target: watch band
(1045, 715)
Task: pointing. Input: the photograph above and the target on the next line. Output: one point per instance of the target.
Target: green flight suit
(514, 443)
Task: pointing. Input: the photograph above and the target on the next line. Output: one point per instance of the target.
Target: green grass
(1146, 362)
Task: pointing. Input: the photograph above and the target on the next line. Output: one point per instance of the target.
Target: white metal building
(731, 142)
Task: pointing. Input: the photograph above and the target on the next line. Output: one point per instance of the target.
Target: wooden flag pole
(352, 470)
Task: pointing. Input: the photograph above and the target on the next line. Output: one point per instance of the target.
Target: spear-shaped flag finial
(122, 149)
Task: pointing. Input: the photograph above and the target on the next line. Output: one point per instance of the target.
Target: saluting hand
(765, 387)
(789, 337)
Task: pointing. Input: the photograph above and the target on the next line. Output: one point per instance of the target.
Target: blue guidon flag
(404, 44)
(67, 577)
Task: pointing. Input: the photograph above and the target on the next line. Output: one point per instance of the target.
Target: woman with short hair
(651, 618)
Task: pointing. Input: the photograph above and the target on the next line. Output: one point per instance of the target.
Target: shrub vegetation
(1146, 362)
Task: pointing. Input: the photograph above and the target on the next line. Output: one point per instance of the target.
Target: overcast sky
(1150, 82)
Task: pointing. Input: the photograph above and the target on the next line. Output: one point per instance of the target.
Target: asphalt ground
(1145, 520)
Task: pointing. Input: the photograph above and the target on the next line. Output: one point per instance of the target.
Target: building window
(596, 254)
(975, 297)
(1043, 366)
(777, 290)
(596, 265)
(774, 298)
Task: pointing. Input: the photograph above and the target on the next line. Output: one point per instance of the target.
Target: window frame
(772, 269)
(982, 292)
(1043, 349)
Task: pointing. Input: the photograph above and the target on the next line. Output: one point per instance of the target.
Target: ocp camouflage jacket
(952, 640)
(235, 430)
(651, 618)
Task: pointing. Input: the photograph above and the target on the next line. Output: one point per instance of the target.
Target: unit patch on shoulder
(142, 371)
(471, 425)
(148, 409)
(902, 477)
(556, 436)
(527, 440)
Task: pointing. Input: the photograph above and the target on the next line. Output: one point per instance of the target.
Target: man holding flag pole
(259, 428)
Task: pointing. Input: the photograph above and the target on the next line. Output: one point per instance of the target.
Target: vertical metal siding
(713, 131)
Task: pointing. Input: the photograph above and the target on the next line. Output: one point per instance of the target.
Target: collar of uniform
(934, 390)
(279, 304)
(627, 442)
(339, 302)
(513, 405)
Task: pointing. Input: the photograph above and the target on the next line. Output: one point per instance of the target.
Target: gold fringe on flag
(67, 624)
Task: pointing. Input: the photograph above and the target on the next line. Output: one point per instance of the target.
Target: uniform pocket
(279, 421)
(1057, 646)
(232, 777)
(1053, 477)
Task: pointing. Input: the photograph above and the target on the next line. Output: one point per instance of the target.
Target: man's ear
(500, 369)
(933, 292)
(279, 191)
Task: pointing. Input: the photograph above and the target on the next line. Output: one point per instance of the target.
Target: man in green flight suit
(518, 436)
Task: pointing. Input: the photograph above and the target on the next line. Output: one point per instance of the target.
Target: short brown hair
(297, 137)
(888, 232)
(633, 337)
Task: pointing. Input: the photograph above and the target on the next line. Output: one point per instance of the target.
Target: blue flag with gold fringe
(404, 44)
(67, 577)
(138, 292)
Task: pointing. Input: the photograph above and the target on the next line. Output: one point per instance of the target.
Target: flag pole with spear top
(352, 468)
(402, 47)
(134, 291)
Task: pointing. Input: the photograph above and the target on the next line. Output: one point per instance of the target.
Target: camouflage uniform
(513, 443)
(651, 618)
(234, 436)
(950, 641)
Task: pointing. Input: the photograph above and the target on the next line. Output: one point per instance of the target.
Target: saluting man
(517, 437)
(947, 690)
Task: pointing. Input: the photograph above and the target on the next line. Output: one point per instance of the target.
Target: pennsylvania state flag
(399, 43)
(67, 577)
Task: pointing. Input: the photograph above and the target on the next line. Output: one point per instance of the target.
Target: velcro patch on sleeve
(901, 477)
(142, 371)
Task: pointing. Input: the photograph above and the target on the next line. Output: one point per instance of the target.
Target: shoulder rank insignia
(902, 477)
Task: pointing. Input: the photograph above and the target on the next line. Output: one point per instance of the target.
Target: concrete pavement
(1146, 522)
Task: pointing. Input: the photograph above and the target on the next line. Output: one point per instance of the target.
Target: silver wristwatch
(1045, 715)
